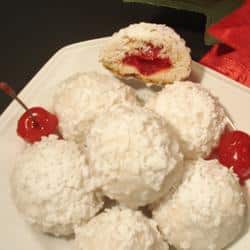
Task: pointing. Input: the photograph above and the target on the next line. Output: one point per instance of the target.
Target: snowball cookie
(82, 97)
(151, 52)
(207, 212)
(48, 187)
(119, 229)
(132, 155)
(196, 117)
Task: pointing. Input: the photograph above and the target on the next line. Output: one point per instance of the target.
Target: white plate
(14, 233)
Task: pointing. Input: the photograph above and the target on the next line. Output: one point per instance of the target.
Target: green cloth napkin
(213, 9)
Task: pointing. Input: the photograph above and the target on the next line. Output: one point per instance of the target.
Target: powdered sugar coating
(196, 117)
(206, 212)
(82, 97)
(48, 186)
(137, 36)
(132, 155)
(120, 229)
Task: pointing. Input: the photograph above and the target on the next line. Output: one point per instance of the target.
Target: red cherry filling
(35, 123)
(234, 151)
(148, 61)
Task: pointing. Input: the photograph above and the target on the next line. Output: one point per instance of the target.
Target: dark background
(30, 36)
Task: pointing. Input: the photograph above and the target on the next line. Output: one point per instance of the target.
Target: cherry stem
(10, 92)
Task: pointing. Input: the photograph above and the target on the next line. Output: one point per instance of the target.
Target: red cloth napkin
(232, 56)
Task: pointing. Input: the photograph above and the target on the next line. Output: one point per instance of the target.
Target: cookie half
(153, 53)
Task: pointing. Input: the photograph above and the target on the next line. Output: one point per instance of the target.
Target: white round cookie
(48, 186)
(132, 155)
(195, 116)
(119, 229)
(82, 97)
(207, 211)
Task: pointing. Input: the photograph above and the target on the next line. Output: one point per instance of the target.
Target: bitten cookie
(153, 53)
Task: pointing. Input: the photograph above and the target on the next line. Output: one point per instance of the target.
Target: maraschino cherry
(234, 151)
(35, 122)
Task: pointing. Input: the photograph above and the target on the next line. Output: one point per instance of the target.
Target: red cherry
(234, 151)
(35, 123)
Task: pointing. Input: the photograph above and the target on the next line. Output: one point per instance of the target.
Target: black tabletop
(30, 36)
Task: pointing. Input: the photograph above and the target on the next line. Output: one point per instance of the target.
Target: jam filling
(148, 61)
